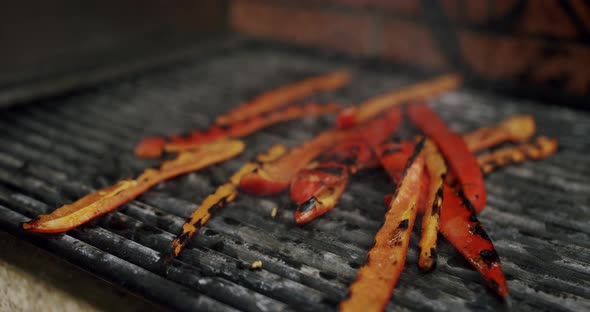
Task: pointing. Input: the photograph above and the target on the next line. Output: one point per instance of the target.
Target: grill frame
(49, 155)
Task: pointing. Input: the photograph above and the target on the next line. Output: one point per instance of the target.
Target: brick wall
(543, 44)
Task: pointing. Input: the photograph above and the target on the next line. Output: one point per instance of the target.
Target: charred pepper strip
(322, 201)
(435, 165)
(542, 147)
(272, 99)
(463, 232)
(318, 190)
(155, 146)
(462, 162)
(385, 261)
(394, 157)
(275, 176)
(224, 194)
(514, 129)
(460, 226)
(356, 115)
(100, 202)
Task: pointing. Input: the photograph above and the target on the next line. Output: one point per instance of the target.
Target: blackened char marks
(335, 170)
(390, 150)
(307, 205)
(477, 229)
(489, 257)
(437, 203)
(403, 224)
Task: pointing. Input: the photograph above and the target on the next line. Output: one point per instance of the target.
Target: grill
(57, 150)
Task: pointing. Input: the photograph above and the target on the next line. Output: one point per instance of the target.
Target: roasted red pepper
(276, 176)
(155, 146)
(385, 261)
(353, 116)
(284, 95)
(100, 202)
(460, 160)
(318, 189)
(459, 225)
(224, 194)
(322, 200)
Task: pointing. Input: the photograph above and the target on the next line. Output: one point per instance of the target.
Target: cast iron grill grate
(56, 151)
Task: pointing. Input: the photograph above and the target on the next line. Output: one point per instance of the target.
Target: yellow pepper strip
(224, 194)
(100, 202)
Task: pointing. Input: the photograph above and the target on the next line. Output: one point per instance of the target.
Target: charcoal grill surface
(58, 150)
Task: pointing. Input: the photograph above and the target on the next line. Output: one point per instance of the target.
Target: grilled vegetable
(318, 190)
(224, 194)
(356, 115)
(385, 261)
(322, 200)
(272, 99)
(100, 202)
(276, 176)
(460, 160)
(155, 146)
(459, 225)
(514, 129)
(542, 147)
(437, 170)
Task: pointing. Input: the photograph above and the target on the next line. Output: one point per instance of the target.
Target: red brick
(496, 56)
(451, 9)
(582, 9)
(569, 65)
(409, 42)
(477, 11)
(308, 26)
(546, 17)
(403, 7)
(503, 7)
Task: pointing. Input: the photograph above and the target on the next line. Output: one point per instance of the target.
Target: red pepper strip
(436, 168)
(459, 225)
(154, 146)
(100, 202)
(461, 161)
(322, 200)
(319, 189)
(514, 129)
(542, 147)
(275, 177)
(356, 115)
(309, 181)
(224, 194)
(272, 99)
(458, 232)
(394, 157)
(385, 261)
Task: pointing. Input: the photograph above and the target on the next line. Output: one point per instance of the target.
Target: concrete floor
(34, 280)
